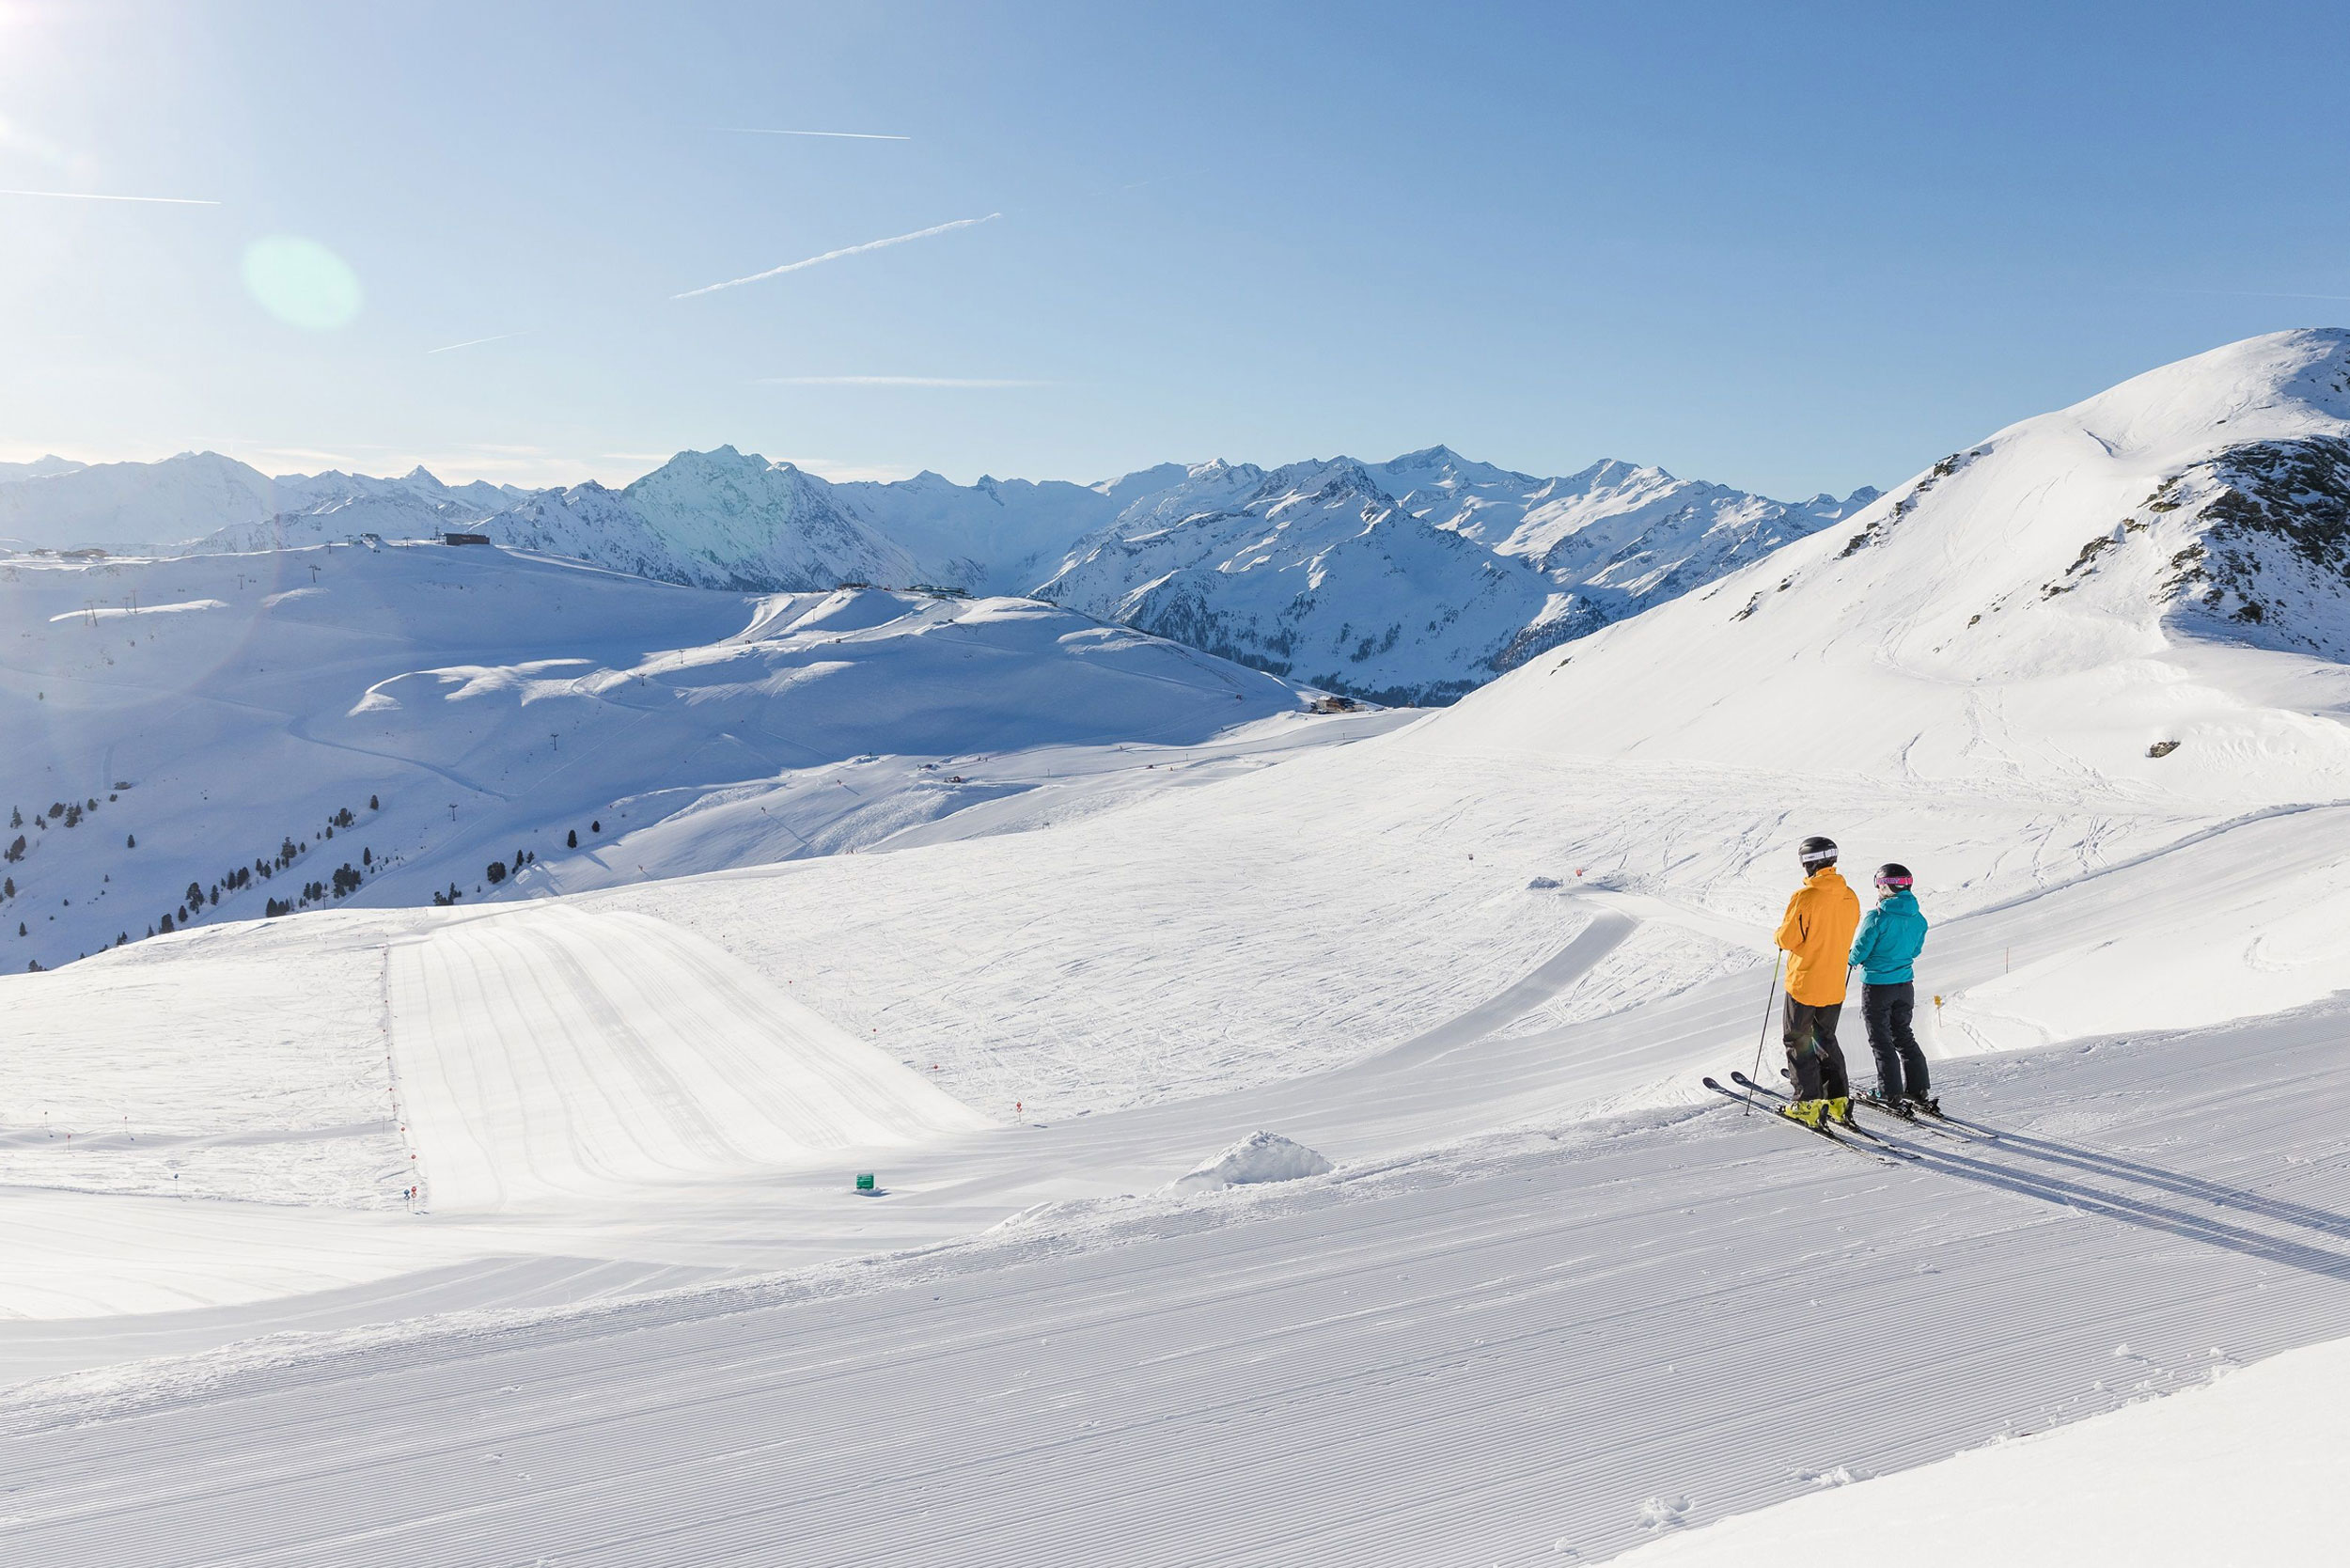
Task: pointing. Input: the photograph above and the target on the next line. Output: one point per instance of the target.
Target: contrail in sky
(894, 381)
(844, 136)
(836, 255)
(2255, 294)
(474, 342)
(93, 196)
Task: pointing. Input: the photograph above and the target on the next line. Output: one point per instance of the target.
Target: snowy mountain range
(1410, 581)
(1416, 580)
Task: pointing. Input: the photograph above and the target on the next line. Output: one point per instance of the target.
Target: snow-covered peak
(1127, 489)
(1323, 481)
(1611, 472)
(2275, 387)
(1443, 467)
(719, 464)
(41, 467)
(714, 518)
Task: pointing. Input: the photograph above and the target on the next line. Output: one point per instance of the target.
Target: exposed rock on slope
(2262, 536)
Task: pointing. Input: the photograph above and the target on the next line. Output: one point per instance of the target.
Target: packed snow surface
(1554, 1300)
(1505, 1351)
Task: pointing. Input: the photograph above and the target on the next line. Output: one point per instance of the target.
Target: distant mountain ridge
(202, 500)
(1414, 580)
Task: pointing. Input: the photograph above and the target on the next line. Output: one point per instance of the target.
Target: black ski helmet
(1816, 852)
(1894, 876)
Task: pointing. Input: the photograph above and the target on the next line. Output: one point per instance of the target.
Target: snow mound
(1259, 1157)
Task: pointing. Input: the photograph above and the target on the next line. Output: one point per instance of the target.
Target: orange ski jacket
(1822, 915)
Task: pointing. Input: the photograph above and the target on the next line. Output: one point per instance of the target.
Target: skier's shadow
(2138, 1212)
(2098, 1163)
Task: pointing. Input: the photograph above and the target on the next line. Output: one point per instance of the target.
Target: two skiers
(1824, 938)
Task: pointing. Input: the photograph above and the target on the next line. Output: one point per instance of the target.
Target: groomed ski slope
(1548, 1343)
(670, 1060)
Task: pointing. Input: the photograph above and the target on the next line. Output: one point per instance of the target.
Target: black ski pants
(1900, 1066)
(1815, 1061)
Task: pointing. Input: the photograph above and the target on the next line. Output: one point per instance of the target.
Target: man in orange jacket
(1817, 934)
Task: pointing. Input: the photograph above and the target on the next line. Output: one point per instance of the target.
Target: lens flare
(301, 283)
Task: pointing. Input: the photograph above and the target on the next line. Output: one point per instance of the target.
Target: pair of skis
(1858, 1140)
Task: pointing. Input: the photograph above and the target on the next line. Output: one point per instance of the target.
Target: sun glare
(301, 283)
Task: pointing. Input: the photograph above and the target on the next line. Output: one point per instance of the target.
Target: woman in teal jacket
(1885, 948)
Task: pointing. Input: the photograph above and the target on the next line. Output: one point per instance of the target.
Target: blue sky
(1788, 247)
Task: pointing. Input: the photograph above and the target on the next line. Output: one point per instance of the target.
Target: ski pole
(1769, 997)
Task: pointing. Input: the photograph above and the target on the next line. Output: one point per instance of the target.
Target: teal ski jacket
(1888, 940)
